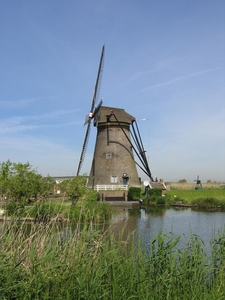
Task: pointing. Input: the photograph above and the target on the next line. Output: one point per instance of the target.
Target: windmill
(198, 184)
(118, 138)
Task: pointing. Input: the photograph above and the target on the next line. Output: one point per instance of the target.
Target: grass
(190, 195)
(45, 210)
(212, 196)
(45, 263)
(191, 186)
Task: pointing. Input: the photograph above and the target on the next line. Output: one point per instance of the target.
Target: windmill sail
(91, 115)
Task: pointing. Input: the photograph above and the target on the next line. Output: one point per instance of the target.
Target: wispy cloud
(180, 78)
(22, 123)
(18, 103)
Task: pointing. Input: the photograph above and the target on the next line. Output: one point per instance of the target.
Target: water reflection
(183, 221)
(146, 224)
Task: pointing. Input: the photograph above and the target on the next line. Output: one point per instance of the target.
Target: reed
(48, 261)
(43, 211)
(191, 186)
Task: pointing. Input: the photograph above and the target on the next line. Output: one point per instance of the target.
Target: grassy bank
(46, 263)
(44, 211)
(190, 195)
(211, 196)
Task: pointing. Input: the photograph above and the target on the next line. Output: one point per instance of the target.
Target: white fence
(111, 187)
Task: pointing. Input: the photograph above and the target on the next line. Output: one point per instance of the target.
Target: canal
(146, 224)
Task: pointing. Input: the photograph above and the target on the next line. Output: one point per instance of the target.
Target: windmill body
(113, 161)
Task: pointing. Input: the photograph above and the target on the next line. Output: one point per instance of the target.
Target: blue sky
(164, 60)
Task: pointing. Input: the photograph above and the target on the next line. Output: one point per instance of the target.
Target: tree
(182, 181)
(5, 175)
(46, 186)
(21, 182)
(24, 182)
(74, 188)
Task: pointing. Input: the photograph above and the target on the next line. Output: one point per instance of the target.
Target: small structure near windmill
(155, 185)
(118, 148)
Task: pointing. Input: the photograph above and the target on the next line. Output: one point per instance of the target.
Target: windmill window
(108, 155)
(114, 179)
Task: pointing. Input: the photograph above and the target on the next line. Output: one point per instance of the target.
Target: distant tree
(182, 181)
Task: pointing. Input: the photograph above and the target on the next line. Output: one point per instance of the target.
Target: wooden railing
(112, 187)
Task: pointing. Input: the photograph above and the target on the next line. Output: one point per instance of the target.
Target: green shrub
(14, 208)
(74, 213)
(92, 195)
(209, 202)
(161, 200)
(95, 211)
(43, 211)
(134, 193)
(155, 192)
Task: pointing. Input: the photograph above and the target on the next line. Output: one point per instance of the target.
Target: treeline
(22, 183)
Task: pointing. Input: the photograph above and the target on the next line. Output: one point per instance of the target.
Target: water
(147, 224)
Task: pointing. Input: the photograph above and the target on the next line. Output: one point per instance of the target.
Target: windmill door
(125, 179)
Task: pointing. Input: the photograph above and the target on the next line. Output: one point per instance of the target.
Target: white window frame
(114, 179)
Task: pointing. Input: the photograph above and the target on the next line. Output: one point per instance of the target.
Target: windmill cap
(121, 115)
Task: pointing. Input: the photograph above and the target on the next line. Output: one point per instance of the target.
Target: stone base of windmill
(113, 196)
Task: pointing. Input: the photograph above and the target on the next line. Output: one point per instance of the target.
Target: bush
(182, 181)
(95, 211)
(14, 208)
(155, 193)
(209, 202)
(161, 200)
(92, 195)
(134, 193)
(44, 210)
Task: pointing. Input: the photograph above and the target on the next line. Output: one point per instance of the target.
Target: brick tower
(113, 161)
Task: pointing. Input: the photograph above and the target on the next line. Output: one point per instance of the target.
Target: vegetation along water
(90, 262)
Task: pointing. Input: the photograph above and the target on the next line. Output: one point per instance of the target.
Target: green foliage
(5, 174)
(74, 213)
(44, 210)
(155, 193)
(161, 200)
(74, 188)
(96, 211)
(182, 181)
(92, 195)
(46, 186)
(208, 202)
(55, 262)
(19, 181)
(91, 211)
(15, 209)
(193, 194)
(134, 193)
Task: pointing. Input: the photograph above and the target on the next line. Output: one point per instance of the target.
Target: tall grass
(191, 186)
(47, 262)
(45, 210)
